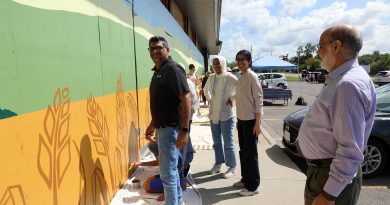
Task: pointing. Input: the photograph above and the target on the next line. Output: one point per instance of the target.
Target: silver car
(273, 80)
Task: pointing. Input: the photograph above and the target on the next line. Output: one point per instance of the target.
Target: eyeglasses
(320, 44)
(241, 59)
(157, 49)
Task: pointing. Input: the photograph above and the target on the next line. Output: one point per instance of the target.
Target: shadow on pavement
(268, 103)
(381, 180)
(217, 195)
(203, 177)
(276, 154)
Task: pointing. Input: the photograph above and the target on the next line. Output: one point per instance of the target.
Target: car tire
(280, 85)
(375, 159)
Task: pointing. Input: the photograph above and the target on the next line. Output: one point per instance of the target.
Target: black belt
(165, 126)
(319, 162)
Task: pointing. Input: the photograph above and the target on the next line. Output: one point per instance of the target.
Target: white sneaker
(216, 169)
(231, 172)
(245, 192)
(239, 184)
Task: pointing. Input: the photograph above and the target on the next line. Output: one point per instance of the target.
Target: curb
(267, 136)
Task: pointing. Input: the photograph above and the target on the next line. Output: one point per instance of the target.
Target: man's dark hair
(247, 55)
(349, 36)
(191, 66)
(157, 39)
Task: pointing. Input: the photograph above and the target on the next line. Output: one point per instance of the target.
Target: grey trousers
(316, 179)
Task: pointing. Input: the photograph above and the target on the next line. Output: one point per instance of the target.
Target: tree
(383, 63)
(365, 59)
(231, 64)
(313, 63)
(309, 50)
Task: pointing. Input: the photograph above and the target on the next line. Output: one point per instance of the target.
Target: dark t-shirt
(167, 84)
(204, 80)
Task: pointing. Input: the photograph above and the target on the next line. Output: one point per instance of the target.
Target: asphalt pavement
(281, 182)
(282, 175)
(374, 191)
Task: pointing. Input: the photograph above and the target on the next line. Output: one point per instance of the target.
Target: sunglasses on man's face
(156, 49)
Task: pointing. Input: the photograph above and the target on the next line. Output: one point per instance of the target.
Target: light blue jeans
(224, 130)
(169, 154)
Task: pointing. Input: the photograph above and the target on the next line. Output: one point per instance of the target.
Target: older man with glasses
(334, 134)
(170, 105)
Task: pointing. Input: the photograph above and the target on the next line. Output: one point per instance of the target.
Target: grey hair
(349, 36)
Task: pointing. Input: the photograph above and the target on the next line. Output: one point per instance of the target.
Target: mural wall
(74, 100)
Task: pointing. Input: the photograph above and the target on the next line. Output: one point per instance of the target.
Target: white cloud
(247, 23)
(291, 7)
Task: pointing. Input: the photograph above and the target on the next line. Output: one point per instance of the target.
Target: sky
(279, 27)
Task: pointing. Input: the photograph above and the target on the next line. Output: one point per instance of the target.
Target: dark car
(378, 146)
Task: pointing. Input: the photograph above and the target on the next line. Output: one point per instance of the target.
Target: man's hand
(151, 138)
(182, 139)
(135, 164)
(229, 102)
(149, 133)
(320, 200)
(256, 130)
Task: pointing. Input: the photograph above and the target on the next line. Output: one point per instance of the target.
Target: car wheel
(375, 158)
(280, 85)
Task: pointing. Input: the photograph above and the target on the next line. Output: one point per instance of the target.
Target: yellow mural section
(73, 152)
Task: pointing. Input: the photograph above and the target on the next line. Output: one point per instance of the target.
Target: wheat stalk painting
(100, 134)
(122, 132)
(13, 196)
(54, 144)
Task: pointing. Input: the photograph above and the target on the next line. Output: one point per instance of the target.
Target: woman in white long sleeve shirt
(249, 100)
(219, 91)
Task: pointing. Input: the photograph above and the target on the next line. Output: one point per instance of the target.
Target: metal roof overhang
(205, 17)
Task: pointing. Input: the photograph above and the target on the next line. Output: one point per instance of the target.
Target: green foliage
(231, 64)
(383, 63)
(313, 63)
(307, 57)
(366, 59)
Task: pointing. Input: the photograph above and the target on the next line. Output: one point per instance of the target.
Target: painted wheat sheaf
(122, 134)
(100, 134)
(54, 144)
(13, 196)
(133, 146)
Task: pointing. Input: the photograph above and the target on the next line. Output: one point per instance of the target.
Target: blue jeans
(169, 154)
(224, 129)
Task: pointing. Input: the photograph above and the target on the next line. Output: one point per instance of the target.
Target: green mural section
(43, 50)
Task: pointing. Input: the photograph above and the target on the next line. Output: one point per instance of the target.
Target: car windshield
(383, 102)
(383, 88)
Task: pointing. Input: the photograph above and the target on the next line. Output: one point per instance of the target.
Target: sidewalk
(281, 181)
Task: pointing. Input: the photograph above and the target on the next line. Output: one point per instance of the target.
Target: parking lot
(375, 191)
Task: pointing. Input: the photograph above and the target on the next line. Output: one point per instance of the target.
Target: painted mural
(74, 99)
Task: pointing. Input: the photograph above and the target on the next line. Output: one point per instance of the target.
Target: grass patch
(292, 78)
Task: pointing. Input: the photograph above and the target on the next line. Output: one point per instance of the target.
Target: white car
(273, 80)
(382, 77)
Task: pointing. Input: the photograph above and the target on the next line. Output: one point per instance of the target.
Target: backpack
(300, 101)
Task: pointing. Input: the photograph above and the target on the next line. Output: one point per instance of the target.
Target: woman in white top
(192, 76)
(249, 102)
(219, 91)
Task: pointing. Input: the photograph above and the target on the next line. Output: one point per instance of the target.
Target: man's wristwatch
(185, 129)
